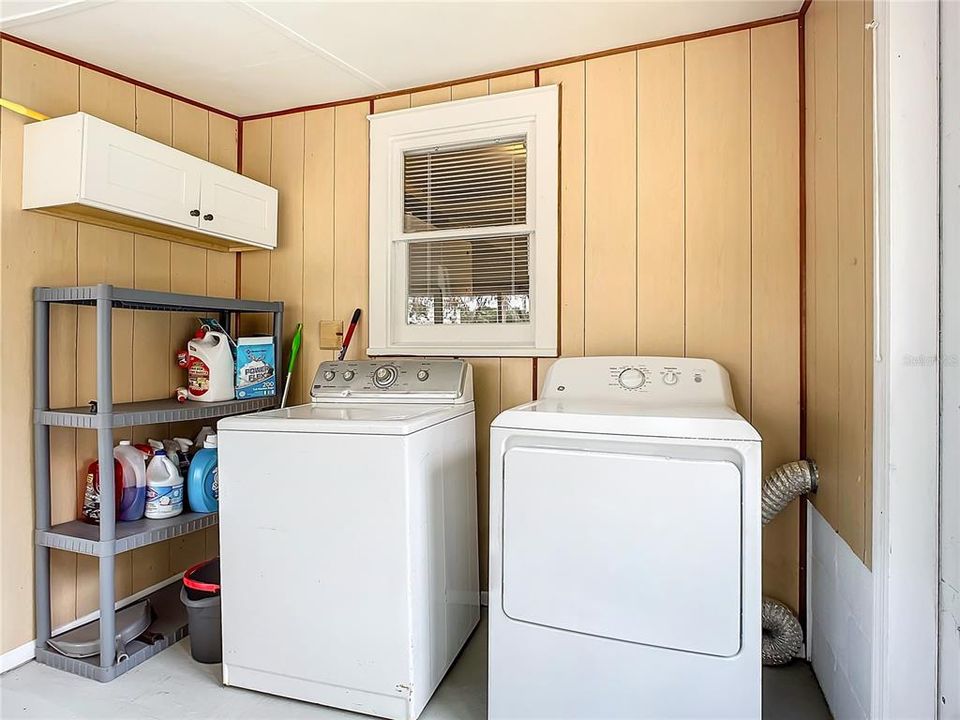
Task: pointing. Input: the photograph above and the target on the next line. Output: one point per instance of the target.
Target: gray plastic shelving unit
(108, 539)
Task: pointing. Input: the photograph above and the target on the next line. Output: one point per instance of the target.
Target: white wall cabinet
(81, 167)
(235, 206)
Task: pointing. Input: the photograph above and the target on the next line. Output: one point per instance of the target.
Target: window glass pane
(468, 281)
(480, 185)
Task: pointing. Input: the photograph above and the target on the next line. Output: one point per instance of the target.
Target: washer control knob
(670, 377)
(632, 379)
(329, 375)
(423, 375)
(385, 376)
(348, 375)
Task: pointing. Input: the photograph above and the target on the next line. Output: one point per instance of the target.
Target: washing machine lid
(346, 418)
(697, 421)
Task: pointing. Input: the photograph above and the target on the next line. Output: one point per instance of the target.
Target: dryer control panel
(646, 380)
(396, 380)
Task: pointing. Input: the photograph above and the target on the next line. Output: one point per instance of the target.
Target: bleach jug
(203, 486)
(134, 498)
(210, 376)
(164, 487)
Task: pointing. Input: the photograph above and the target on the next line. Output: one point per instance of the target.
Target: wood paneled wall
(679, 228)
(41, 250)
(839, 270)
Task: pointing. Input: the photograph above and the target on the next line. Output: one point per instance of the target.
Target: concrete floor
(171, 685)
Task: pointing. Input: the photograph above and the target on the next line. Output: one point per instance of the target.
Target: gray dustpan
(84, 641)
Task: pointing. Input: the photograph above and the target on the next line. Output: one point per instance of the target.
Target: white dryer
(625, 546)
(348, 537)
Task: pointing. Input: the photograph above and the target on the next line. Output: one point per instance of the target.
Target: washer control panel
(649, 380)
(400, 379)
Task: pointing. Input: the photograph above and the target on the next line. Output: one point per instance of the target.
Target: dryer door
(630, 547)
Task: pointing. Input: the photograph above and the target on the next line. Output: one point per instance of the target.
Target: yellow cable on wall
(22, 110)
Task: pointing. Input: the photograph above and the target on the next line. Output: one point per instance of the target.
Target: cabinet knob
(194, 213)
(208, 216)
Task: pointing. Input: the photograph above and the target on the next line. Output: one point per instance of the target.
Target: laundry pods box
(256, 367)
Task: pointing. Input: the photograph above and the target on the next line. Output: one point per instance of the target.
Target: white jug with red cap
(210, 375)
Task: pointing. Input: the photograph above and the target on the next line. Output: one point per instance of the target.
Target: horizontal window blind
(468, 281)
(472, 186)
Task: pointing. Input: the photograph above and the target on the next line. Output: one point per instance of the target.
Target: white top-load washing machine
(625, 546)
(348, 537)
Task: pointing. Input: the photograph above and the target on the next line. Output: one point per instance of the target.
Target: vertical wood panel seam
(683, 82)
(270, 181)
(750, 205)
(683, 198)
(636, 204)
(802, 260)
(836, 163)
(534, 390)
(867, 67)
(586, 208)
(76, 383)
(238, 261)
(303, 247)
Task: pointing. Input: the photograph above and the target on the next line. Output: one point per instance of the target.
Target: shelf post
(105, 459)
(41, 465)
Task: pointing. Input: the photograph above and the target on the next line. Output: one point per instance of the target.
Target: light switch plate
(331, 334)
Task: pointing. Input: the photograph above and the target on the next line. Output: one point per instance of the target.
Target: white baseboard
(25, 653)
(17, 657)
(484, 598)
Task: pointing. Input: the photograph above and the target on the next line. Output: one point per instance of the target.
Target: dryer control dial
(632, 378)
(385, 376)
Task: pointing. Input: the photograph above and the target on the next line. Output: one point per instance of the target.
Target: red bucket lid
(189, 582)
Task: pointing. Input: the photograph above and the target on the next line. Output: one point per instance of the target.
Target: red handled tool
(346, 341)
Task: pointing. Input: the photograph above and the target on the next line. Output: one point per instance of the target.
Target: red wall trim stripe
(369, 98)
(535, 67)
(802, 520)
(111, 73)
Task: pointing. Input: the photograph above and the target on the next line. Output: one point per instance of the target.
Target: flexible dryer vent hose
(782, 634)
(785, 484)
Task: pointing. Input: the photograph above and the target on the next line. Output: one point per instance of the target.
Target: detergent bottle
(164, 487)
(134, 464)
(210, 376)
(91, 495)
(203, 485)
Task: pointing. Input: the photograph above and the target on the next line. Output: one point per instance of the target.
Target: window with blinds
(467, 280)
(456, 282)
(482, 185)
(463, 227)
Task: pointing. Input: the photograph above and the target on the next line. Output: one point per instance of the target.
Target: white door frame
(949, 659)
(906, 366)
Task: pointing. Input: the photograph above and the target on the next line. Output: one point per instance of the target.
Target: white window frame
(533, 113)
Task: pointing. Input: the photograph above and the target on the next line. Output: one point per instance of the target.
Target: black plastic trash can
(201, 596)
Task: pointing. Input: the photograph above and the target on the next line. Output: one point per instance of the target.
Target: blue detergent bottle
(203, 486)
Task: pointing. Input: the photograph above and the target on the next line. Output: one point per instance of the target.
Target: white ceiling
(249, 57)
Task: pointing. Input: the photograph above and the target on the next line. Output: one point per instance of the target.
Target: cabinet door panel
(238, 207)
(139, 176)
